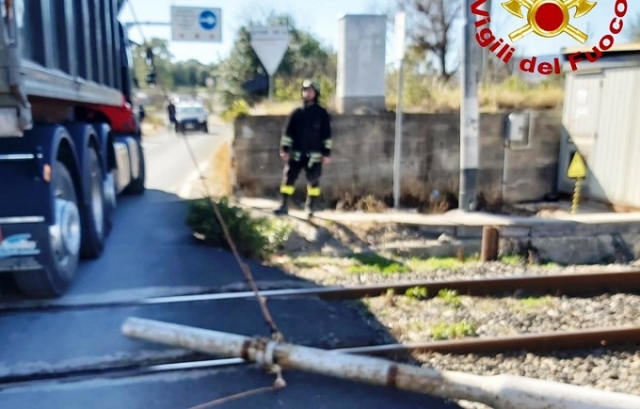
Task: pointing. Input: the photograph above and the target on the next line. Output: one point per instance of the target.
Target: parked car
(191, 117)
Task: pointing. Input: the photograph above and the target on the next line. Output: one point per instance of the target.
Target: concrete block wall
(363, 156)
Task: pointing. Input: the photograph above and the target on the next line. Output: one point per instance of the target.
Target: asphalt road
(150, 253)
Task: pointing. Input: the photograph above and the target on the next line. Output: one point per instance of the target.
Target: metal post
(576, 196)
(490, 244)
(469, 113)
(397, 151)
(270, 88)
(500, 392)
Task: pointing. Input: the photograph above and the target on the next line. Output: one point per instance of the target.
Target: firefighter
(171, 113)
(305, 144)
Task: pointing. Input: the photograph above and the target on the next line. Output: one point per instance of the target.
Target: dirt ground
(321, 237)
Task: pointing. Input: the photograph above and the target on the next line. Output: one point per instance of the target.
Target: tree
(305, 57)
(429, 24)
(240, 66)
(633, 32)
(191, 74)
(188, 74)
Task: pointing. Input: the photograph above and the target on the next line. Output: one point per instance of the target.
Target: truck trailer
(70, 139)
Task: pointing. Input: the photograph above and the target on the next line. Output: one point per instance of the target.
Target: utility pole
(469, 113)
(397, 151)
(400, 31)
(485, 55)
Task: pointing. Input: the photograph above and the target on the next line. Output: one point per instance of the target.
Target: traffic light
(151, 78)
(149, 57)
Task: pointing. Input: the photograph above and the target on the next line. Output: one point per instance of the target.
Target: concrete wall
(360, 82)
(363, 156)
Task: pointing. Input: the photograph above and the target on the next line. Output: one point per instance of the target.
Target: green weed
(452, 331)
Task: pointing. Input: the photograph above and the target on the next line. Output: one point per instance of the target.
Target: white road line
(186, 187)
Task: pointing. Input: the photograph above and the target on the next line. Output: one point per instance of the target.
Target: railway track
(577, 284)
(566, 284)
(550, 341)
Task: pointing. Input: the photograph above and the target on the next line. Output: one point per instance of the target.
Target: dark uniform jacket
(308, 133)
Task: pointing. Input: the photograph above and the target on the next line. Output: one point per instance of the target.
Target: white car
(191, 118)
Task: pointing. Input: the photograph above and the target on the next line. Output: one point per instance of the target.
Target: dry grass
(282, 107)
(366, 203)
(425, 196)
(493, 98)
(442, 99)
(153, 123)
(274, 108)
(219, 176)
(220, 171)
(423, 95)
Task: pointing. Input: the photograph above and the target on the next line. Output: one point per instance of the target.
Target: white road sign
(196, 24)
(270, 45)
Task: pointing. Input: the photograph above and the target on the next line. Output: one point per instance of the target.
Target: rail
(568, 284)
(546, 341)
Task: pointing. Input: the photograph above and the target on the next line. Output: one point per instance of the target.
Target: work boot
(308, 206)
(284, 207)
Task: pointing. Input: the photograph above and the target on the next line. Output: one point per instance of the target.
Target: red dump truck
(69, 136)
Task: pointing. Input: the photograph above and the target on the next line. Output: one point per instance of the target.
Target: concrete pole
(397, 151)
(469, 113)
(400, 38)
(486, 53)
(499, 392)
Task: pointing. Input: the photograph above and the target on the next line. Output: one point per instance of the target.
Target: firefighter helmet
(311, 84)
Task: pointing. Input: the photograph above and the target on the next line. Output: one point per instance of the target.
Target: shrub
(254, 237)
(238, 109)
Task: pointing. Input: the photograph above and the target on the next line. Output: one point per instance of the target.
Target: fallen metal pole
(499, 392)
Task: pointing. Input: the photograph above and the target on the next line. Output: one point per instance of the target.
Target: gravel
(616, 369)
(410, 320)
(335, 271)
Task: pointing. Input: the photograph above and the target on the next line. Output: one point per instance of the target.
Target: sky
(321, 19)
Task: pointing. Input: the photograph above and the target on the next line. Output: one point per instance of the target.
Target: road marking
(186, 187)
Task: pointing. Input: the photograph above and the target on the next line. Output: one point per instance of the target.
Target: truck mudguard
(22, 180)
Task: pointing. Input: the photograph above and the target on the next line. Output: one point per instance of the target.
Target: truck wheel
(110, 201)
(205, 128)
(93, 217)
(137, 185)
(64, 242)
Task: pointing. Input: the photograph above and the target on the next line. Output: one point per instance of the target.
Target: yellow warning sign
(577, 167)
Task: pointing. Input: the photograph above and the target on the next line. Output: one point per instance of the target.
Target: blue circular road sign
(208, 20)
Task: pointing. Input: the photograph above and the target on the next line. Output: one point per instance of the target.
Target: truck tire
(64, 242)
(110, 201)
(136, 187)
(93, 216)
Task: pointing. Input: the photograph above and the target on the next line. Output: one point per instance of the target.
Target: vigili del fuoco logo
(546, 19)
